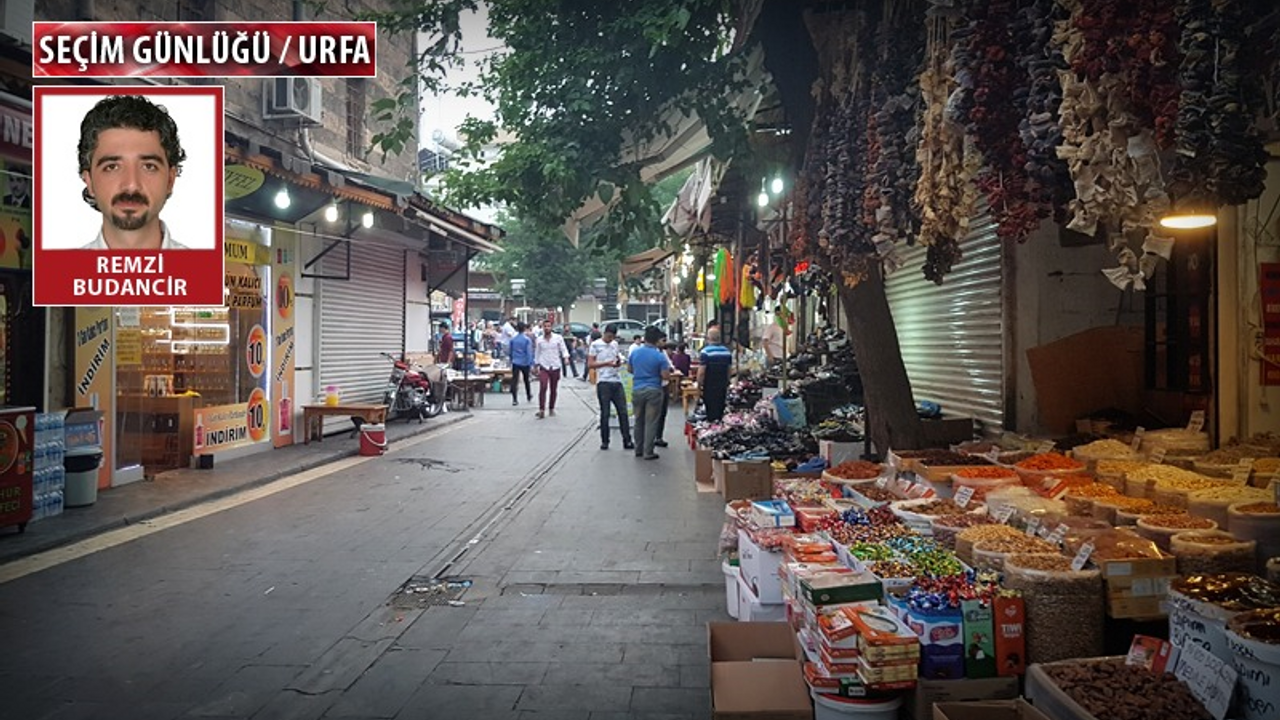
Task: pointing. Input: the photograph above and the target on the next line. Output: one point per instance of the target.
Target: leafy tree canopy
(581, 87)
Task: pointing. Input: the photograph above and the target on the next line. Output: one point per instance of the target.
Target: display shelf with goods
(49, 478)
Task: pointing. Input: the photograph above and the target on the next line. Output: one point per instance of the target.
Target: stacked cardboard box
(754, 673)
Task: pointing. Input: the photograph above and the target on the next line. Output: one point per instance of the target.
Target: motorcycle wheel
(432, 407)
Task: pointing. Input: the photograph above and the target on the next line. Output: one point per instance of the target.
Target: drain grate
(421, 591)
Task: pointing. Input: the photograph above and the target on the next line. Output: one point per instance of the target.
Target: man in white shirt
(130, 158)
(549, 355)
(605, 357)
(505, 335)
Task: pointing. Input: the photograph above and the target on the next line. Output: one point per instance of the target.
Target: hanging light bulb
(1190, 214)
(776, 186)
(331, 212)
(283, 201)
(367, 219)
(763, 198)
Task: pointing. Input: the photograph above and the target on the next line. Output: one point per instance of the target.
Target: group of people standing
(652, 366)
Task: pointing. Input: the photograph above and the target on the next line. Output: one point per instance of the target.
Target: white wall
(1059, 292)
(417, 306)
(1245, 240)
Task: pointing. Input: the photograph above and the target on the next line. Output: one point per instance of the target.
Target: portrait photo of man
(130, 158)
(19, 193)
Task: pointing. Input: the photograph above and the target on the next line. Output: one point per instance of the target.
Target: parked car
(582, 331)
(628, 329)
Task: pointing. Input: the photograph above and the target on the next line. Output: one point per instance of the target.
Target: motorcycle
(413, 391)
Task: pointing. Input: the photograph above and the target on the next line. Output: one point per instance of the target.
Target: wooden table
(313, 416)
(472, 388)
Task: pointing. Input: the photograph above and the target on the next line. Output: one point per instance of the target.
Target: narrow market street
(581, 584)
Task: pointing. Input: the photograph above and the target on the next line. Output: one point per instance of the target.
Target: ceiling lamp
(331, 212)
(283, 201)
(367, 219)
(1190, 214)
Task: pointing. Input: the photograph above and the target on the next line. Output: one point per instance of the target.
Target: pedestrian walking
(605, 357)
(649, 370)
(446, 346)
(521, 349)
(666, 392)
(714, 363)
(569, 342)
(549, 355)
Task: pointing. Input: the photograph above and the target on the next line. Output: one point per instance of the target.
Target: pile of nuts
(856, 470)
(937, 508)
(1180, 521)
(1111, 689)
(942, 458)
(1258, 508)
(945, 528)
(1202, 552)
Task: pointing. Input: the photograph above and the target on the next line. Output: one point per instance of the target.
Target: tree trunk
(892, 422)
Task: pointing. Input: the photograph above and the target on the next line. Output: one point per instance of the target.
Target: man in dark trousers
(605, 357)
(715, 361)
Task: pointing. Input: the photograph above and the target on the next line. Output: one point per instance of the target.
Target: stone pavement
(586, 580)
(177, 489)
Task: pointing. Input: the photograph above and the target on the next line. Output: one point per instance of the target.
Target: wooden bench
(313, 416)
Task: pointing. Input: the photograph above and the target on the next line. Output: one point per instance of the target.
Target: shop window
(356, 109)
(1178, 325)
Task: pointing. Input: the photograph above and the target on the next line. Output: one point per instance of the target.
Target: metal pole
(782, 383)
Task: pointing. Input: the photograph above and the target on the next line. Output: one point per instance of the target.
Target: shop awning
(643, 262)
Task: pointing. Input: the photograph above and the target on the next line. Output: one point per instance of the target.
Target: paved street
(586, 580)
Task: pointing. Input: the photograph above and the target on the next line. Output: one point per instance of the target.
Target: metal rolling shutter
(953, 335)
(360, 318)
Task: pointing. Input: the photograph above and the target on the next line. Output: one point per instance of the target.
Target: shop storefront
(193, 380)
(22, 327)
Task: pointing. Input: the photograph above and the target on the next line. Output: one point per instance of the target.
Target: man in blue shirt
(650, 370)
(521, 346)
(714, 363)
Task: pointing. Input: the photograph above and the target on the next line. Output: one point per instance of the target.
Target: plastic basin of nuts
(1106, 688)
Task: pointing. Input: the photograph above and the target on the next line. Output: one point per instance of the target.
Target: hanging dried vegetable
(994, 80)
(1191, 165)
(1237, 162)
(1049, 182)
(1111, 155)
(943, 193)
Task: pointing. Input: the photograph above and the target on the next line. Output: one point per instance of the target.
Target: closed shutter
(360, 318)
(953, 335)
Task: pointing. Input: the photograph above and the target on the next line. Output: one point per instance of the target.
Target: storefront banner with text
(283, 266)
(94, 373)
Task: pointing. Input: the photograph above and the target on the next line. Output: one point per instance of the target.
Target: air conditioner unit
(292, 97)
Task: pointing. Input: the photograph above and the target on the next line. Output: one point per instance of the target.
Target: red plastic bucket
(373, 439)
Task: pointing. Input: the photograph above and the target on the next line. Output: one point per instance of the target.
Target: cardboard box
(702, 465)
(1010, 622)
(1017, 709)
(832, 588)
(1097, 368)
(920, 702)
(979, 639)
(759, 568)
(772, 513)
(751, 609)
(1135, 588)
(754, 673)
(742, 480)
(837, 452)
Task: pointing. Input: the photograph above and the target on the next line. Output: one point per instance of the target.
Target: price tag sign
(1004, 513)
(1058, 534)
(1033, 524)
(1137, 438)
(1082, 556)
(1241, 472)
(1210, 679)
(1196, 423)
(882, 481)
(891, 459)
(1157, 455)
(963, 496)
(1045, 446)
(992, 455)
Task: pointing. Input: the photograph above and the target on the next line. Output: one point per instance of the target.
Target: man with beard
(130, 158)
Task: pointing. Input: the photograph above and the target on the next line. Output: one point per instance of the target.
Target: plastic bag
(791, 415)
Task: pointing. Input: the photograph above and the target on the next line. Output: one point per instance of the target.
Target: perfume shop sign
(244, 292)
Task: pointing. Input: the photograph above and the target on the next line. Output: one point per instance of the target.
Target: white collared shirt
(166, 243)
(549, 352)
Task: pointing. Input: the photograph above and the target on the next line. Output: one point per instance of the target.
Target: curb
(115, 522)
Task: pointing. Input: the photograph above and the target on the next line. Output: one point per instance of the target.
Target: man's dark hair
(131, 112)
(521, 326)
(652, 335)
(444, 326)
(682, 347)
(611, 328)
